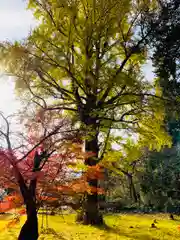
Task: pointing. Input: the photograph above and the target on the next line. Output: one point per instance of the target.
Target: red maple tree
(39, 169)
(38, 166)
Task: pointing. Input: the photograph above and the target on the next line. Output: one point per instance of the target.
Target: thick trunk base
(93, 219)
(29, 230)
(90, 214)
(90, 219)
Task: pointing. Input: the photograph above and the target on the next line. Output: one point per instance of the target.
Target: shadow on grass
(51, 231)
(134, 235)
(110, 229)
(5, 216)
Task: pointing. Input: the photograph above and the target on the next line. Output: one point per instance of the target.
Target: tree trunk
(91, 207)
(91, 214)
(133, 193)
(29, 230)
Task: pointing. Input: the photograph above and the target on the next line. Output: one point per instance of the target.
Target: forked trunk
(29, 230)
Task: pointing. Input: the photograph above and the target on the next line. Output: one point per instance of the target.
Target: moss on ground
(119, 227)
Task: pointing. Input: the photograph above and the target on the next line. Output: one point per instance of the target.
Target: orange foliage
(97, 190)
(47, 198)
(6, 206)
(54, 176)
(22, 211)
(95, 172)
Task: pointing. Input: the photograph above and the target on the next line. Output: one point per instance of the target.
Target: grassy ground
(120, 227)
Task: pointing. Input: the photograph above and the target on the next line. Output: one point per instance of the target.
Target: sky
(15, 24)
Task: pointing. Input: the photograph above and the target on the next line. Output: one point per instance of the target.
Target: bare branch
(6, 135)
(106, 141)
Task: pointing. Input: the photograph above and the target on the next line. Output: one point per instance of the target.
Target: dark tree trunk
(91, 214)
(29, 230)
(133, 193)
(91, 207)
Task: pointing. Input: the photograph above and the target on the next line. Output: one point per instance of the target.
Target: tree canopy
(85, 59)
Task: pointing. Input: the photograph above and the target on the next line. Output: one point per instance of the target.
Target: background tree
(85, 57)
(160, 181)
(165, 56)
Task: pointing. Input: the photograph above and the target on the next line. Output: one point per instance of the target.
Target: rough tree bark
(29, 230)
(92, 215)
(91, 207)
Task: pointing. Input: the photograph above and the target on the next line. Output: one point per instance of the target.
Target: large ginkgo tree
(85, 58)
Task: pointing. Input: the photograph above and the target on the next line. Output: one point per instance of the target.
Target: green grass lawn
(120, 227)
